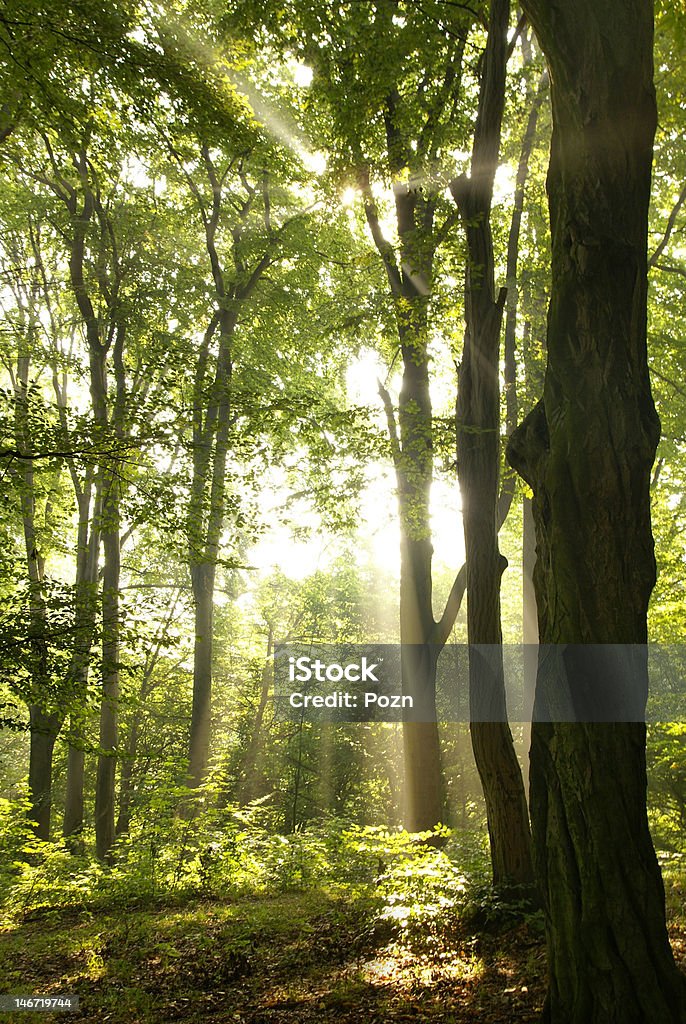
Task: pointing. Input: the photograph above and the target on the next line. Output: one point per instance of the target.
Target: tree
(42, 440)
(385, 90)
(28, 419)
(586, 450)
(240, 212)
(478, 462)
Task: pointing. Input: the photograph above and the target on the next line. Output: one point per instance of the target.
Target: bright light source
(504, 184)
(314, 162)
(302, 75)
(362, 379)
(349, 196)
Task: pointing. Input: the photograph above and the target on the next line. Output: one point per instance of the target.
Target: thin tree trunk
(246, 786)
(88, 548)
(103, 335)
(234, 288)
(72, 827)
(478, 457)
(409, 272)
(126, 779)
(128, 759)
(421, 637)
(109, 731)
(202, 577)
(110, 532)
(586, 450)
(44, 723)
(529, 623)
(44, 730)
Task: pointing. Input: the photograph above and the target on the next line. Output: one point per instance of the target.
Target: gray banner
(462, 683)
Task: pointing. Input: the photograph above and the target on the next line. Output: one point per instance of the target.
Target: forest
(342, 338)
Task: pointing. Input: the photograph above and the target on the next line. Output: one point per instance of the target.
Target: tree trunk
(202, 577)
(88, 548)
(126, 780)
(478, 458)
(72, 826)
(421, 637)
(423, 784)
(246, 785)
(424, 788)
(529, 625)
(104, 334)
(409, 272)
(110, 529)
(44, 723)
(107, 760)
(44, 730)
(586, 450)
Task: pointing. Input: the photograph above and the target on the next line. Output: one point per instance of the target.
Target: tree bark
(126, 785)
(88, 552)
(423, 791)
(44, 721)
(44, 730)
(247, 781)
(202, 578)
(409, 271)
(586, 450)
(72, 826)
(478, 458)
(105, 336)
(529, 625)
(422, 638)
(109, 711)
(234, 286)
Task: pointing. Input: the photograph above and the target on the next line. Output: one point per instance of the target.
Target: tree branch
(396, 450)
(671, 221)
(443, 627)
(383, 246)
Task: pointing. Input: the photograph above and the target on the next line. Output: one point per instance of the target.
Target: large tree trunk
(478, 458)
(424, 791)
(586, 450)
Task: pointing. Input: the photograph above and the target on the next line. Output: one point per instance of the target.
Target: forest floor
(295, 957)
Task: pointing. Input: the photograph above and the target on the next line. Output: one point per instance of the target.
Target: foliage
(121, 129)
(236, 853)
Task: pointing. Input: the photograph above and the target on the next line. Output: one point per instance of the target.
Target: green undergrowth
(333, 923)
(235, 855)
(226, 911)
